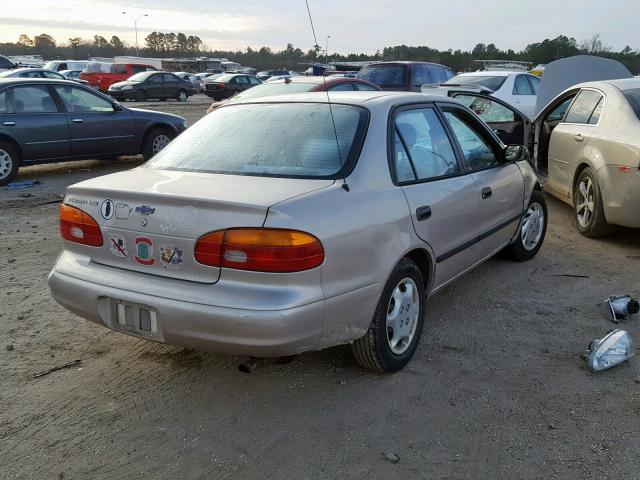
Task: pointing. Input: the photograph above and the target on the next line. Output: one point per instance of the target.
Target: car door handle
(77, 120)
(578, 137)
(9, 124)
(486, 192)
(422, 213)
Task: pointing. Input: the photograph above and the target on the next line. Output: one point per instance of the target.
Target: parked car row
(152, 84)
(46, 120)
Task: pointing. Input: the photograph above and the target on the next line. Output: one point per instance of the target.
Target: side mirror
(117, 107)
(516, 153)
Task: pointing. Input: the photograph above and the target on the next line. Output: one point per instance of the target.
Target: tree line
(179, 44)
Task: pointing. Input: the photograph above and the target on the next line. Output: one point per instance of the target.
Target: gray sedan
(43, 121)
(322, 224)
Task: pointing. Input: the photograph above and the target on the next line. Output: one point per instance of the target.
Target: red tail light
(260, 250)
(79, 227)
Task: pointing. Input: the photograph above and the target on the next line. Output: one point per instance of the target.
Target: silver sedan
(292, 223)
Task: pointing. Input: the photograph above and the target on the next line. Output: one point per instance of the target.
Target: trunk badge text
(145, 210)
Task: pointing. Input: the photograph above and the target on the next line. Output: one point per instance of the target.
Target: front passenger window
(424, 151)
(478, 155)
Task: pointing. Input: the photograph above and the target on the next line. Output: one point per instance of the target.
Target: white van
(59, 65)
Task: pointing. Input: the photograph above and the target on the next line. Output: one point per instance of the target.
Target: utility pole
(135, 26)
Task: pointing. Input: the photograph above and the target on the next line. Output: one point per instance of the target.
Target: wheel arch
(422, 258)
(154, 126)
(9, 139)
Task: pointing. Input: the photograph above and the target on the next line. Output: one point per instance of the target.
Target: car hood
(121, 84)
(566, 72)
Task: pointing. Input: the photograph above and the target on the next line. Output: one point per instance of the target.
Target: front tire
(140, 96)
(396, 327)
(588, 209)
(182, 96)
(9, 163)
(532, 231)
(156, 140)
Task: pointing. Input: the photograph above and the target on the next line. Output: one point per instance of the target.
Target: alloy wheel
(6, 164)
(159, 142)
(532, 226)
(585, 204)
(182, 96)
(402, 316)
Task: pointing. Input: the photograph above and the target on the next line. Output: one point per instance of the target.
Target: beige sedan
(584, 140)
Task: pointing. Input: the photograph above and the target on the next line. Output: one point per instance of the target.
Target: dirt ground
(497, 389)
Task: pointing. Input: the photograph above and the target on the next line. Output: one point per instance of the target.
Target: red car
(118, 72)
(299, 85)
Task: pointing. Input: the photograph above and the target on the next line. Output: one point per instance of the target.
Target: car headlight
(606, 352)
(127, 87)
(185, 124)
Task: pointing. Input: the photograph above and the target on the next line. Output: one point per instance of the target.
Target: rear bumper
(258, 316)
(621, 195)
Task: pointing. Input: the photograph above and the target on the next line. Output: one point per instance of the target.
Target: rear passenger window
(587, 106)
(522, 86)
(169, 78)
(439, 74)
(33, 99)
(421, 75)
(5, 104)
(135, 69)
(342, 87)
(422, 149)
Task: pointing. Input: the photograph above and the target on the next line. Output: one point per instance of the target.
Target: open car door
(510, 125)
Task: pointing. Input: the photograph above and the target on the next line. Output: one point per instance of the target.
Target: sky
(354, 26)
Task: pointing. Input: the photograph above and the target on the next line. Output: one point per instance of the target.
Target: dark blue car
(45, 120)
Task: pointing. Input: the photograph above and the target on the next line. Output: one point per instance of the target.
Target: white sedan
(518, 89)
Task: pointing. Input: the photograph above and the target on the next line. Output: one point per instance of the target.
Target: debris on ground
(392, 458)
(619, 307)
(23, 184)
(9, 347)
(55, 369)
(570, 275)
(609, 351)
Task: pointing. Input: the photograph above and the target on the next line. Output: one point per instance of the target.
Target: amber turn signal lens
(260, 250)
(79, 227)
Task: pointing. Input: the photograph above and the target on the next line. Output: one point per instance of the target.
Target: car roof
(402, 62)
(8, 81)
(318, 80)
(626, 83)
(493, 73)
(357, 98)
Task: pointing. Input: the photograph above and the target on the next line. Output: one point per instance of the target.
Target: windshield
(278, 139)
(221, 77)
(51, 65)
(633, 96)
(140, 77)
(491, 82)
(384, 76)
(267, 89)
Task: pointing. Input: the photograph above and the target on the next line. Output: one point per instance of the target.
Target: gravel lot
(497, 389)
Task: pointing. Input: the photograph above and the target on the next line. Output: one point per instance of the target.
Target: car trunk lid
(151, 219)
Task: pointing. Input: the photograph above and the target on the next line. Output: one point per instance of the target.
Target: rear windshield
(270, 139)
(384, 76)
(275, 89)
(491, 82)
(633, 96)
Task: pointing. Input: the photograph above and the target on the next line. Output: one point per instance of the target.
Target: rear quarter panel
(365, 232)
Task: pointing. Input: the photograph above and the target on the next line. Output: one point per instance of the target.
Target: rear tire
(140, 96)
(588, 209)
(532, 230)
(9, 163)
(396, 327)
(156, 140)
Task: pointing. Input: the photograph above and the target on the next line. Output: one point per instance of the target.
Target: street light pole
(326, 52)
(135, 26)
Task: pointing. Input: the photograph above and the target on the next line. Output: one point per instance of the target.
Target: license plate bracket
(136, 319)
